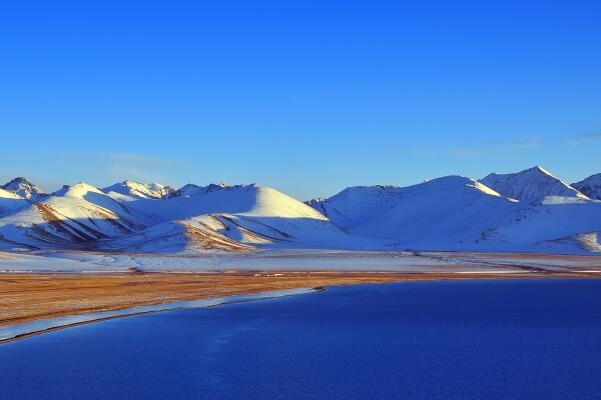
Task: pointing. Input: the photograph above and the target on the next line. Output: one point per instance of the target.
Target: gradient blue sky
(308, 97)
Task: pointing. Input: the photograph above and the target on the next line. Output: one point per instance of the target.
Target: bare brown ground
(26, 297)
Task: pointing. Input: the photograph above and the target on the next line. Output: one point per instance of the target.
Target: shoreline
(264, 285)
(174, 306)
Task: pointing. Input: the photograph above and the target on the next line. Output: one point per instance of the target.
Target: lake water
(528, 339)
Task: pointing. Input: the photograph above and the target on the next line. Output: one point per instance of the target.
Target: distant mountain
(444, 212)
(188, 190)
(75, 216)
(531, 184)
(217, 218)
(356, 204)
(237, 218)
(457, 213)
(139, 190)
(531, 211)
(590, 186)
(191, 189)
(24, 189)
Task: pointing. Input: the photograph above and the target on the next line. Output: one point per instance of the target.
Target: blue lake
(528, 339)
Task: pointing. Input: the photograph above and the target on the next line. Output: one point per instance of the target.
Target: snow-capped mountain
(445, 212)
(25, 189)
(217, 218)
(457, 213)
(190, 189)
(356, 204)
(527, 211)
(531, 184)
(76, 216)
(239, 217)
(139, 190)
(590, 186)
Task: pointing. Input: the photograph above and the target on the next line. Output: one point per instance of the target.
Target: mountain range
(527, 211)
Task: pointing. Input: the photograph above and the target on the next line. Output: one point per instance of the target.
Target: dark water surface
(529, 339)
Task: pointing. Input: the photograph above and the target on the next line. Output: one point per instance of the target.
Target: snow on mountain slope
(25, 189)
(216, 218)
(177, 237)
(7, 194)
(449, 213)
(10, 202)
(531, 184)
(567, 221)
(188, 190)
(140, 190)
(456, 213)
(443, 212)
(588, 242)
(90, 206)
(590, 186)
(236, 218)
(247, 199)
(191, 189)
(356, 204)
(75, 216)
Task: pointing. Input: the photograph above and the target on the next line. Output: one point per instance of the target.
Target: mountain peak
(530, 184)
(590, 186)
(539, 170)
(139, 190)
(77, 190)
(191, 189)
(218, 186)
(24, 188)
(356, 203)
(19, 180)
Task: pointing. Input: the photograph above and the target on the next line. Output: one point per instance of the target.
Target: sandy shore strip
(23, 330)
(33, 302)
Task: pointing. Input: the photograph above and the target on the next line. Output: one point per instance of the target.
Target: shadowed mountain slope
(590, 186)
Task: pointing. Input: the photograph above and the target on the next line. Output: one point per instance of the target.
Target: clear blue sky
(308, 97)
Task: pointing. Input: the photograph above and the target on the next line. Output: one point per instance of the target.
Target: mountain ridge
(531, 210)
(530, 184)
(23, 188)
(590, 186)
(139, 190)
